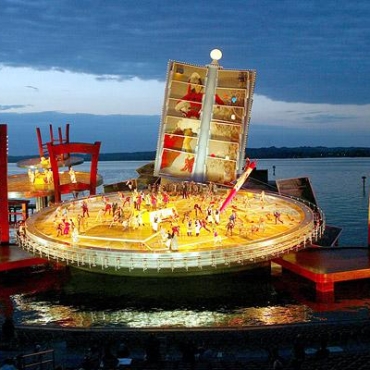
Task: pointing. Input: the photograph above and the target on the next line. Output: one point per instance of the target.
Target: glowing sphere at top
(216, 54)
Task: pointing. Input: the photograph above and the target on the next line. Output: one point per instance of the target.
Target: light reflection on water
(62, 316)
(78, 298)
(86, 300)
(82, 299)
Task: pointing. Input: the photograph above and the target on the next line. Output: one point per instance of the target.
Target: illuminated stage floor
(103, 244)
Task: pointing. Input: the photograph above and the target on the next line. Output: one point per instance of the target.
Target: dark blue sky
(101, 65)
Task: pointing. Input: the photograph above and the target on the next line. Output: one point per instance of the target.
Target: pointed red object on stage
(248, 168)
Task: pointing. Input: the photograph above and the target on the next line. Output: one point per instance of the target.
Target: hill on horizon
(261, 153)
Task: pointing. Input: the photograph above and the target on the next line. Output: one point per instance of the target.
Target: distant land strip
(254, 153)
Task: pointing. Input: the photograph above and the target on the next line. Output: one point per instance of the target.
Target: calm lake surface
(75, 298)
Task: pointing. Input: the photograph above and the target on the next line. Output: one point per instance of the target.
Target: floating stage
(112, 234)
(185, 227)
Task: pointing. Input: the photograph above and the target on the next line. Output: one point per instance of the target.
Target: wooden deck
(327, 266)
(255, 222)
(121, 245)
(19, 185)
(12, 258)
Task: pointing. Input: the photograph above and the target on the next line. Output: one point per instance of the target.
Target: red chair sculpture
(81, 183)
(43, 151)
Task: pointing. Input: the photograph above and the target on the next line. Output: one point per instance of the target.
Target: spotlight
(216, 55)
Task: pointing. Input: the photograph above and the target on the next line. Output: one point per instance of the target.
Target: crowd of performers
(176, 210)
(46, 175)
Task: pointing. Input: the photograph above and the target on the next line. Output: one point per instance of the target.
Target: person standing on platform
(168, 241)
(277, 216)
(217, 240)
(216, 216)
(229, 228)
(155, 223)
(31, 176)
(85, 209)
(66, 227)
(209, 212)
(262, 199)
(189, 227)
(232, 217)
(72, 175)
(197, 209)
(197, 226)
(184, 188)
(174, 243)
(59, 229)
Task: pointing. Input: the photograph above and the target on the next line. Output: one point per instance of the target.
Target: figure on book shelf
(188, 163)
(190, 104)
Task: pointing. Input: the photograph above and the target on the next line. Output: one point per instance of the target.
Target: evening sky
(101, 65)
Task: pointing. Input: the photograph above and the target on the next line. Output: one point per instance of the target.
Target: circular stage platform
(166, 234)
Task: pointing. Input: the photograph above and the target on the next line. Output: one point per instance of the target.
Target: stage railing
(151, 260)
(151, 253)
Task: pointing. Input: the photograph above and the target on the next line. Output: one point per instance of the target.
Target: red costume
(189, 163)
(190, 106)
(195, 100)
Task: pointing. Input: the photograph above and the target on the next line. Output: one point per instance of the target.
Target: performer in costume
(190, 104)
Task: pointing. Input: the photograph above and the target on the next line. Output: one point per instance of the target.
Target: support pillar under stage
(368, 224)
(325, 292)
(4, 222)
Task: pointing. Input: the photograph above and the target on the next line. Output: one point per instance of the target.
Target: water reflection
(74, 298)
(79, 299)
(86, 300)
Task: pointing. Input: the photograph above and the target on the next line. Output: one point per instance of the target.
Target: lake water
(75, 298)
(339, 190)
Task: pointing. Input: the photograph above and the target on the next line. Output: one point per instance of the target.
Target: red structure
(59, 140)
(4, 224)
(205, 122)
(59, 151)
(326, 267)
(368, 226)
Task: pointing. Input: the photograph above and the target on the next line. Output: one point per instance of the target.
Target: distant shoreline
(260, 153)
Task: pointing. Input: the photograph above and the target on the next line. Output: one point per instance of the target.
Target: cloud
(69, 92)
(132, 133)
(106, 101)
(118, 133)
(287, 114)
(303, 51)
(108, 61)
(32, 88)
(11, 107)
